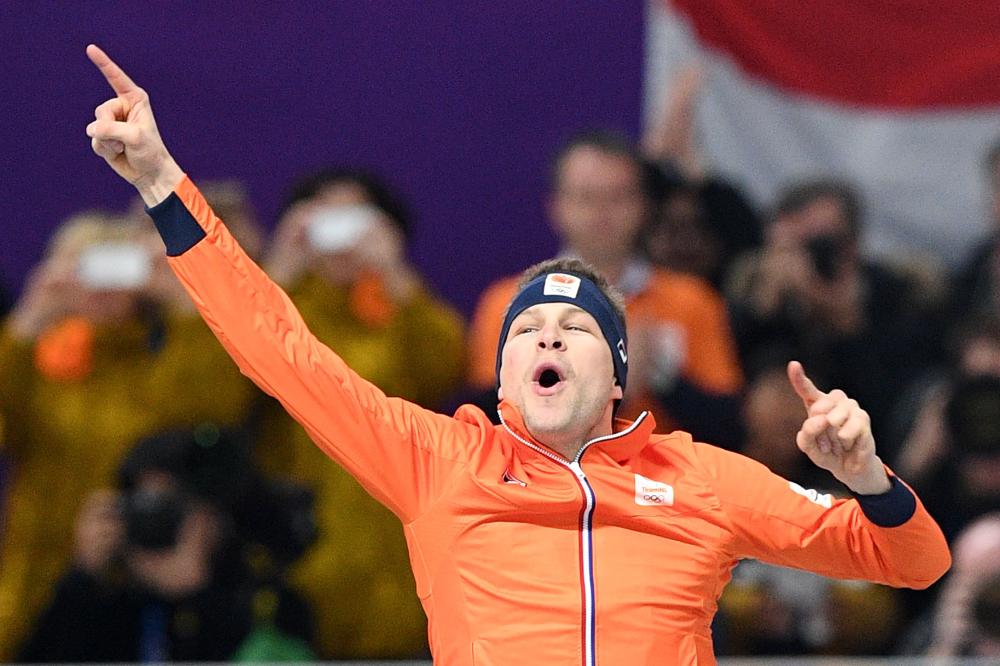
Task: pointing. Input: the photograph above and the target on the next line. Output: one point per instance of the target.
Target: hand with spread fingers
(837, 436)
(124, 133)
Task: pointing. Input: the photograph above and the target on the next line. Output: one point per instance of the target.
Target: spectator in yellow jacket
(100, 350)
(339, 251)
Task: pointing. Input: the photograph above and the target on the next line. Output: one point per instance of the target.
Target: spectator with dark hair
(977, 282)
(169, 567)
(340, 251)
(96, 353)
(963, 623)
(603, 193)
(951, 448)
(702, 222)
(808, 293)
(700, 228)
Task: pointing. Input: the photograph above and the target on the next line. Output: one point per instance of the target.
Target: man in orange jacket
(560, 536)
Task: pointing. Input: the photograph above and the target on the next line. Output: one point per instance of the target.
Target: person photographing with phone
(102, 348)
(559, 536)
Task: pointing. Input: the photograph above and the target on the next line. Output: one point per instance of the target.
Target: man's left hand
(837, 436)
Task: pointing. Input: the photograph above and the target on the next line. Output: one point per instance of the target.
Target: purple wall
(459, 104)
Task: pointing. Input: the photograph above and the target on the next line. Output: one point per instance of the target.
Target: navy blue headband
(580, 291)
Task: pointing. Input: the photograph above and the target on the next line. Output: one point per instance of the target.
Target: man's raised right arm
(394, 448)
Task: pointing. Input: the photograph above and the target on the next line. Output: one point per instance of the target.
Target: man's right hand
(125, 135)
(99, 531)
(51, 292)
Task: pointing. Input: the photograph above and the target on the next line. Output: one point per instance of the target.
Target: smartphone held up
(114, 267)
(335, 229)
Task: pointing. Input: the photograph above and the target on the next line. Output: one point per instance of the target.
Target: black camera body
(153, 518)
(826, 254)
(973, 416)
(214, 467)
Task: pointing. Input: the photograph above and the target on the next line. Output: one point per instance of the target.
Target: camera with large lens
(153, 518)
(214, 466)
(826, 253)
(973, 416)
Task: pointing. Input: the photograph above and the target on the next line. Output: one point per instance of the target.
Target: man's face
(598, 205)
(557, 371)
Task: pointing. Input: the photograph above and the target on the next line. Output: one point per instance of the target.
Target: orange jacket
(520, 556)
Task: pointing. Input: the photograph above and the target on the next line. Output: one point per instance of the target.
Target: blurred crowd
(158, 507)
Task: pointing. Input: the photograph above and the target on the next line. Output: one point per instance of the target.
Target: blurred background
(461, 104)
(767, 181)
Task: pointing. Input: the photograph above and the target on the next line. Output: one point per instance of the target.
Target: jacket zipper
(586, 524)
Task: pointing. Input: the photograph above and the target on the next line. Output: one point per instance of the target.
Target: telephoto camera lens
(153, 518)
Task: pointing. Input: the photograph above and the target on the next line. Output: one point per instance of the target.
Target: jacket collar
(628, 439)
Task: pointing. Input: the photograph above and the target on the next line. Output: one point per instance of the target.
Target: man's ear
(616, 392)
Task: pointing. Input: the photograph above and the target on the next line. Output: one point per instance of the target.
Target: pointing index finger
(802, 384)
(113, 74)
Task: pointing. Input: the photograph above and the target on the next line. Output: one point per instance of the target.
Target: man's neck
(568, 445)
(567, 450)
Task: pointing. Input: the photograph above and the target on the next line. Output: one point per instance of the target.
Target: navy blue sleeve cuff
(177, 227)
(890, 509)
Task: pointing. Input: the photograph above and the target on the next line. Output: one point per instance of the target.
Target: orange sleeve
(484, 333)
(782, 523)
(402, 454)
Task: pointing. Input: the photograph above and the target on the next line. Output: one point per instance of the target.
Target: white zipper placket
(586, 523)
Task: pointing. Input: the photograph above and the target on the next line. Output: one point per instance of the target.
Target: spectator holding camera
(952, 445)
(95, 354)
(808, 293)
(340, 251)
(162, 569)
(977, 288)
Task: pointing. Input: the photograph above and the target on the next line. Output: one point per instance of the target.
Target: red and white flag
(902, 97)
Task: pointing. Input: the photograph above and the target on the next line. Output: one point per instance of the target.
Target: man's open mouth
(548, 377)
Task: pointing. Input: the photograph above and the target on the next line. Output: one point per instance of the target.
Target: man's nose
(550, 338)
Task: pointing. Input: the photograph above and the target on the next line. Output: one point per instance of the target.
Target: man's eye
(576, 327)
(526, 329)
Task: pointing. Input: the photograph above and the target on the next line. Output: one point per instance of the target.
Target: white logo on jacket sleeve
(560, 284)
(825, 500)
(653, 493)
